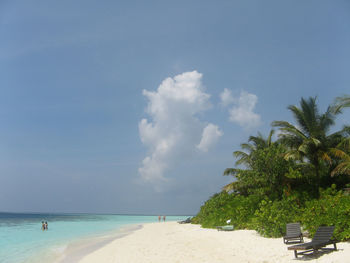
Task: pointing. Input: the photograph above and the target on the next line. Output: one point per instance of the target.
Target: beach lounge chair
(321, 239)
(187, 221)
(225, 228)
(293, 234)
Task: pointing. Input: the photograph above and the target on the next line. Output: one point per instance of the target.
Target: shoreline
(181, 243)
(73, 251)
(76, 250)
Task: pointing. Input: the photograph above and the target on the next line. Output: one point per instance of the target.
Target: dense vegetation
(300, 177)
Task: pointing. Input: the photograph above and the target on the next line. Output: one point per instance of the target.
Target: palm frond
(242, 157)
(342, 168)
(292, 155)
(340, 103)
(248, 147)
(325, 156)
(326, 120)
(269, 139)
(344, 144)
(288, 129)
(231, 171)
(230, 187)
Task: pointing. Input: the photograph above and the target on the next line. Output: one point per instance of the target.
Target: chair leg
(295, 254)
(335, 246)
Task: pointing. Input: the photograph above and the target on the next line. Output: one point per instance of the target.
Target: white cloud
(210, 136)
(242, 112)
(226, 97)
(174, 131)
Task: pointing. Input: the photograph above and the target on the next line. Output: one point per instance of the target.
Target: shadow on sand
(317, 254)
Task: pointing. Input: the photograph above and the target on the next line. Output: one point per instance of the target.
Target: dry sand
(185, 243)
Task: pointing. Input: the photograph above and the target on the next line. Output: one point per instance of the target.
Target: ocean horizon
(23, 240)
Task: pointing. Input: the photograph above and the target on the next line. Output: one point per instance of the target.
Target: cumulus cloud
(242, 111)
(210, 136)
(173, 131)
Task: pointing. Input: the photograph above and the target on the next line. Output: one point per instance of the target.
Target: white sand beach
(171, 242)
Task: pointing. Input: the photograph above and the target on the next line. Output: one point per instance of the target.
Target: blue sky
(137, 106)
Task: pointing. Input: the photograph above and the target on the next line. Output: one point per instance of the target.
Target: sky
(135, 107)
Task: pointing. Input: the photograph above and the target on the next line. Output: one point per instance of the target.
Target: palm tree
(342, 152)
(343, 149)
(308, 142)
(245, 157)
(254, 143)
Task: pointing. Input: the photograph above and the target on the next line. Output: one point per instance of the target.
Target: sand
(171, 242)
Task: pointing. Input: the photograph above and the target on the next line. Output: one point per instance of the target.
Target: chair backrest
(323, 234)
(293, 229)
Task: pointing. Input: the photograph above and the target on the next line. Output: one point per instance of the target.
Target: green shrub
(272, 216)
(213, 212)
(332, 209)
(241, 210)
(223, 206)
(269, 218)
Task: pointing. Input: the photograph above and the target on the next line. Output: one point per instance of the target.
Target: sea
(68, 238)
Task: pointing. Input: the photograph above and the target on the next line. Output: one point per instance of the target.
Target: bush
(242, 209)
(332, 209)
(213, 212)
(223, 206)
(269, 218)
(272, 216)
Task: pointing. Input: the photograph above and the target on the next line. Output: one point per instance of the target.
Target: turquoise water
(22, 240)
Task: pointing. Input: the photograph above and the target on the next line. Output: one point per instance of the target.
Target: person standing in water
(42, 225)
(46, 226)
(164, 218)
(159, 218)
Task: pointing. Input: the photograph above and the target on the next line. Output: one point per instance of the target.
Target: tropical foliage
(223, 206)
(333, 208)
(281, 181)
(309, 142)
(271, 216)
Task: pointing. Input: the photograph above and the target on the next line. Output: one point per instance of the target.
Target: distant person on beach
(159, 218)
(42, 225)
(46, 226)
(164, 218)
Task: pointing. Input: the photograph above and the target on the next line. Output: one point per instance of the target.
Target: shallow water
(22, 240)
